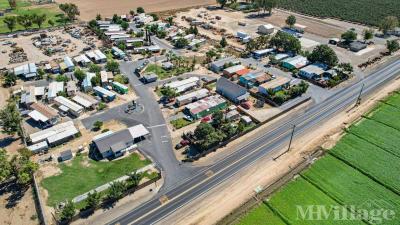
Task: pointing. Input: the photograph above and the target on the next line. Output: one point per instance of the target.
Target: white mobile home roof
(176, 84)
(82, 101)
(54, 88)
(297, 61)
(234, 69)
(37, 116)
(199, 94)
(68, 62)
(39, 91)
(105, 134)
(27, 70)
(100, 54)
(104, 76)
(87, 82)
(104, 91)
(138, 131)
(67, 132)
(263, 51)
(82, 58)
(68, 103)
(39, 146)
(45, 134)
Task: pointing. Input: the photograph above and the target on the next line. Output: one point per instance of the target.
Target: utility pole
(291, 138)
(358, 102)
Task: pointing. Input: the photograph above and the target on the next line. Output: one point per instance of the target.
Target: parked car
(246, 105)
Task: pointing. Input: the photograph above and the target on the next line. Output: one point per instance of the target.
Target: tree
(11, 22)
(96, 80)
(345, 68)
(39, 19)
(5, 166)
(93, 68)
(349, 36)
(170, 20)
(388, 24)
(98, 17)
(62, 78)
(10, 79)
(368, 34)
(223, 42)
(132, 12)
(23, 168)
(286, 42)
(71, 10)
(324, 54)
(10, 119)
(97, 125)
(203, 130)
(116, 190)
(125, 25)
(218, 118)
(155, 16)
(222, 3)
(135, 178)
(168, 92)
(68, 211)
(93, 200)
(140, 10)
(266, 5)
(291, 20)
(112, 66)
(392, 46)
(25, 21)
(79, 74)
(13, 4)
(181, 43)
(51, 22)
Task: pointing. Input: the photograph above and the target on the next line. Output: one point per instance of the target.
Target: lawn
(51, 10)
(379, 134)
(370, 159)
(82, 175)
(363, 11)
(261, 215)
(300, 193)
(162, 73)
(181, 122)
(350, 187)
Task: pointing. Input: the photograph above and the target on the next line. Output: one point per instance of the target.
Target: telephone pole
(291, 138)
(358, 102)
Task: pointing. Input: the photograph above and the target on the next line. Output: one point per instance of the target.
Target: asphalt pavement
(248, 153)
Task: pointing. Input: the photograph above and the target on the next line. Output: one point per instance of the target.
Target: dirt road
(90, 8)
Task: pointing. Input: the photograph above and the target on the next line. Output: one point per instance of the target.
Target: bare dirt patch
(90, 8)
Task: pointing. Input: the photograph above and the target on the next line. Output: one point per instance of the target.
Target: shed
(150, 77)
(65, 155)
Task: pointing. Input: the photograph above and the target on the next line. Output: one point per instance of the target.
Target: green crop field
(300, 193)
(25, 8)
(394, 100)
(83, 174)
(350, 187)
(379, 134)
(368, 158)
(388, 115)
(363, 11)
(261, 215)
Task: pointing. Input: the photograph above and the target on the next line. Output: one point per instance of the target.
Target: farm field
(262, 215)
(368, 159)
(361, 171)
(362, 11)
(349, 187)
(383, 136)
(25, 8)
(83, 174)
(302, 193)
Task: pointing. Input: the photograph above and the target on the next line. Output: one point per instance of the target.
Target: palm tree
(135, 178)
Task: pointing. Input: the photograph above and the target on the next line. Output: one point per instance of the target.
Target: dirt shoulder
(213, 206)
